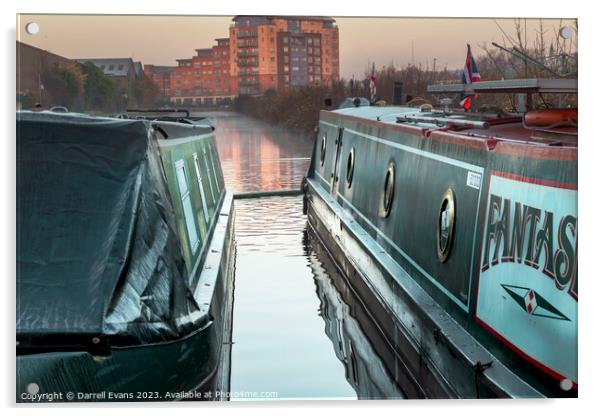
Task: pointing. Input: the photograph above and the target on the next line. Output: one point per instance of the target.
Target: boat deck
(508, 129)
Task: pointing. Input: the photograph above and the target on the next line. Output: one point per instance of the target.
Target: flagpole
(473, 98)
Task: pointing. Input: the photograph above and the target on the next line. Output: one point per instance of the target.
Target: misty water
(296, 325)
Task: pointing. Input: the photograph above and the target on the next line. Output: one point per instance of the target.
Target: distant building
(138, 69)
(121, 70)
(205, 78)
(32, 62)
(279, 52)
(261, 53)
(161, 76)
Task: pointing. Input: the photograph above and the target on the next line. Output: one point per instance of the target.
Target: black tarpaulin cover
(97, 251)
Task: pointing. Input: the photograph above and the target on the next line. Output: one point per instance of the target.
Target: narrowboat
(124, 259)
(458, 230)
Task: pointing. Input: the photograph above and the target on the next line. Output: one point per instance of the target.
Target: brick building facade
(260, 54)
(161, 76)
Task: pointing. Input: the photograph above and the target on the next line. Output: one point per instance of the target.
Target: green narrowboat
(124, 259)
(459, 233)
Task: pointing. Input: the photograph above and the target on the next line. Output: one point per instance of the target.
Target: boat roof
(526, 85)
(508, 127)
(97, 248)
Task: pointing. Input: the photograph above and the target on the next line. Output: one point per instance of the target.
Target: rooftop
(118, 67)
(204, 52)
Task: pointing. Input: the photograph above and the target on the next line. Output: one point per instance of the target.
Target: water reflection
(278, 333)
(258, 157)
(345, 324)
(298, 331)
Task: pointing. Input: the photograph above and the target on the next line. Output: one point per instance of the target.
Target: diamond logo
(533, 303)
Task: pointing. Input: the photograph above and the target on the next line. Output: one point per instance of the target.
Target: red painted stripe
(544, 182)
(564, 153)
(527, 357)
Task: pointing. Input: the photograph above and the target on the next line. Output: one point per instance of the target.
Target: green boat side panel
(197, 159)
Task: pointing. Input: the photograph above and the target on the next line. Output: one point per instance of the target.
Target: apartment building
(205, 78)
(280, 52)
(261, 53)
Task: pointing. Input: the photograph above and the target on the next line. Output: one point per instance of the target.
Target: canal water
(298, 332)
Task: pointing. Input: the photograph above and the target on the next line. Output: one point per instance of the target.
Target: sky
(160, 40)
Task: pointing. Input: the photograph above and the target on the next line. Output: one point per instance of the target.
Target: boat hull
(466, 242)
(194, 367)
(440, 357)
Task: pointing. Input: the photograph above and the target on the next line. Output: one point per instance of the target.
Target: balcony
(248, 82)
(247, 43)
(246, 34)
(248, 62)
(244, 72)
(247, 52)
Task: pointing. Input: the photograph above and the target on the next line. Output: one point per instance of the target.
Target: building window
(193, 237)
(111, 67)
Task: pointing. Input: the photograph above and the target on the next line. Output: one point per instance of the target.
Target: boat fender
(551, 118)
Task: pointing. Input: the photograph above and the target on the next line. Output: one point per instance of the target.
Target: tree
(100, 92)
(63, 84)
(145, 92)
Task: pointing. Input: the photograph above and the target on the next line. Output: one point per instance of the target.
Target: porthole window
(445, 225)
(323, 150)
(388, 190)
(350, 166)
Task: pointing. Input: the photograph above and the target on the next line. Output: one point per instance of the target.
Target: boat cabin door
(334, 184)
